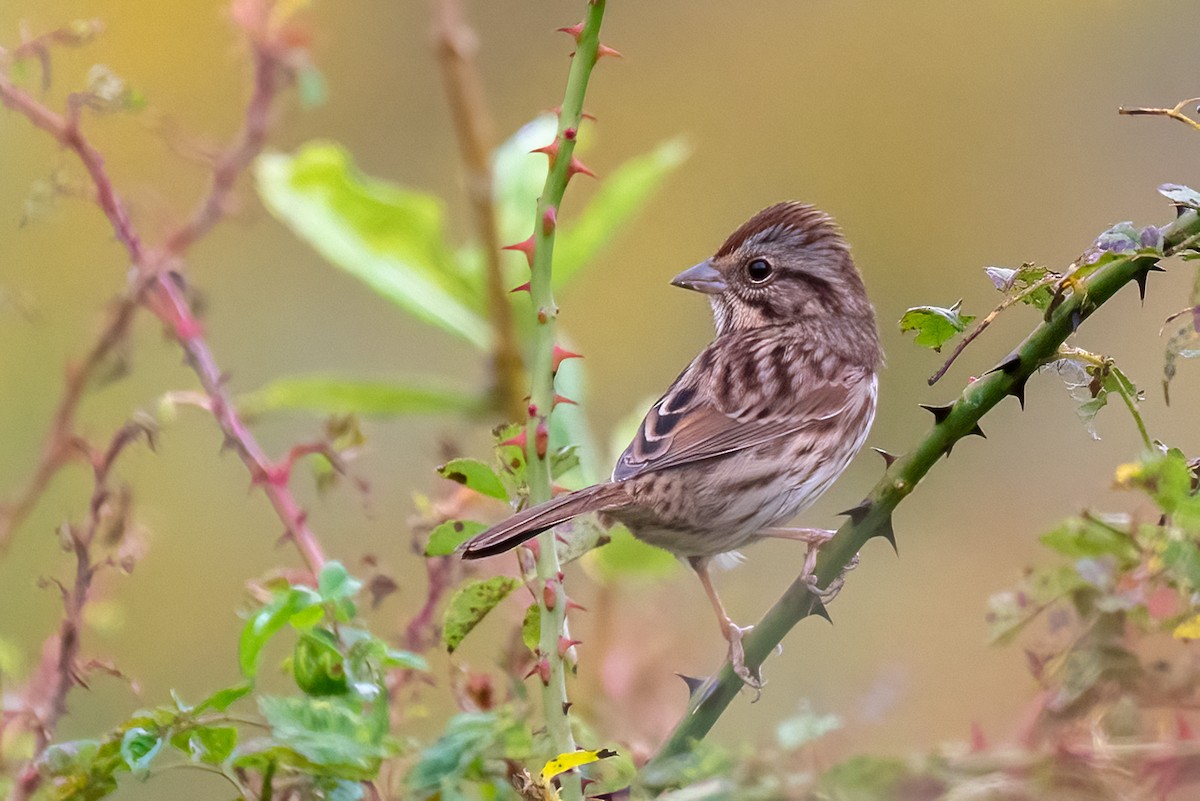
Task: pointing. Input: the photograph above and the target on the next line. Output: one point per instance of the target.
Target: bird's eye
(759, 270)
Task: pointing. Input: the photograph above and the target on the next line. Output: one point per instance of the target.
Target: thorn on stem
(940, 413)
(577, 166)
(550, 594)
(888, 458)
(526, 246)
(693, 683)
(550, 218)
(541, 439)
(818, 609)
(564, 399)
(566, 644)
(604, 50)
(858, 513)
(559, 356)
(518, 441)
(574, 31)
(525, 287)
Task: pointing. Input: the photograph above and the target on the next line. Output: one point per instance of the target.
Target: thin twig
(1175, 113)
(979, 328)
(456, 44)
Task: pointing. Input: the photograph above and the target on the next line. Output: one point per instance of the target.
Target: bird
(759, 425)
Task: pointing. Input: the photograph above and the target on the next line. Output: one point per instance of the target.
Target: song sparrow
(760, 423)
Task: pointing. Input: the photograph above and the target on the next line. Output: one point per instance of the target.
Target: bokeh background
(944, 137)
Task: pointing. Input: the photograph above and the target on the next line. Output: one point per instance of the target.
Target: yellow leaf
(564, 762)
(1188, 629)
(1128, 474)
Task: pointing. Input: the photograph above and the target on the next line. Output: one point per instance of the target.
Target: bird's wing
(690, 423)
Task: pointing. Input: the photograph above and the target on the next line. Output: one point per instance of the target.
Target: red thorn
(573, 31)
(565, 644)
(555, 491)
(978, 740)
(1183, 729)
(550, 594)
(551, 151)
(605, 50)
(533, 410)
(584, 781)
(579, 166)
(560, 575)
(550, 217)
(569, 134)
(526, 247)
(562, 539)
(541, 439)
(519, 440)
(572, 605)
(564, 399)
(543, 316)
(560, 356)
(522, 288)
(541, 669)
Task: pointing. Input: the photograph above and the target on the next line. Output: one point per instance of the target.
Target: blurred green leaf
(935, 326)
(331, 395)
(335, 582)
(867, 778)
(475, 475)
(1086, 537)
(470, 604)
(518, 176)
(317, 664)
(531, 627)
(223, 699)
(625, 556)
(468, 738)
(1183, 559)
(328, 732)
(1019, 282)
(619, 198)
(805, 727)
(389, 237)
(1166, 477)
(268, 621)
(446, 538)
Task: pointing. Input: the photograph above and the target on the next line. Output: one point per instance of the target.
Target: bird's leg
(814, 537)
(731, 631)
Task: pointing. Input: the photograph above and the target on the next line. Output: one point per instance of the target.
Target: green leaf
(223, 699)
(388, 237)
(1183, 559)
(328, 732)
(1019, 283)
(336, 583)
(139, 747)
(620, 197)
(625, 556)
(268, 622)
(1086, 537)
(475, 475)
(935, 326)
(331, 395)
(805, 727)
(470, 604)
(531, 627)
(469, 737)
(446, 538)
(208, 744)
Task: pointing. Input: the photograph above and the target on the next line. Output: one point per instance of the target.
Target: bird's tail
(533, 521)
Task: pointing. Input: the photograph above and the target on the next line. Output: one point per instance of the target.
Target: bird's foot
(752, 678)
(827, 594)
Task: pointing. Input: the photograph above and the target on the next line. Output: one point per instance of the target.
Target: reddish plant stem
(160, 292)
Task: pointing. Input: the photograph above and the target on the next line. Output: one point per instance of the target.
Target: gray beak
(702, 278)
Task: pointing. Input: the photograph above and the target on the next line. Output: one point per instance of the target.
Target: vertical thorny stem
(553, 600)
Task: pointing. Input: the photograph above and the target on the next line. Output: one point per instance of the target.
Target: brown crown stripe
(791, 214)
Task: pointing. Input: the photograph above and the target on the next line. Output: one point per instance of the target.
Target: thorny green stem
(553, 600)
(873, 517)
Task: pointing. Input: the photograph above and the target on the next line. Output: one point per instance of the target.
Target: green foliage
(935, 326)
(1028, 284)
(330, 395)
(474, 475)
(447, 536)
(465, 753)
(470, 604)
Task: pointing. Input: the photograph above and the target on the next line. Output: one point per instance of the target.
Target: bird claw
(827, 594)
(737, 659)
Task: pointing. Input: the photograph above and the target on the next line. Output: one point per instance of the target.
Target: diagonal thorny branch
(1080, 297)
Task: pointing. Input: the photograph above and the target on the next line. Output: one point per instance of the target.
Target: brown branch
(456, 44)
(44, 701)
(161, 292)
(1175, 113)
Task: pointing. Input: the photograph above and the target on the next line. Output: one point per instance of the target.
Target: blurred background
(943, 136)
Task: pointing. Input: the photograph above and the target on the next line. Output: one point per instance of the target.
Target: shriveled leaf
(1021, 282)
(332, 395)
(389, 237)
(621, 195)
(1182, 196)
(471, 604)
(475, 475)
(1091, 384)
(446, 538)
(935, 326)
